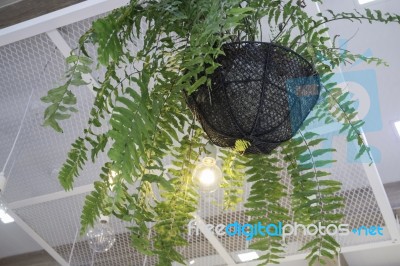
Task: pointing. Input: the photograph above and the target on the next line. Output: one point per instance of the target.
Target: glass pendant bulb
(207, 176)
(101, 236)
(3, 207)
(4, 216)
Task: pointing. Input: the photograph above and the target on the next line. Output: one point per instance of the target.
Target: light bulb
(3, 207)
(207, 175)
(2, 182)
(111, 177)
(101, 236)
(4, 216)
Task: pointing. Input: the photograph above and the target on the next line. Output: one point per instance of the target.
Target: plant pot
(262, 93)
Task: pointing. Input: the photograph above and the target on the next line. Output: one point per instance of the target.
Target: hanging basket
(261, 93)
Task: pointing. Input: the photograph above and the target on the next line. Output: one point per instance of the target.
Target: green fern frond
(233, 168)
(241, 145)
(264, 203)
(96, 204)
(76, 160)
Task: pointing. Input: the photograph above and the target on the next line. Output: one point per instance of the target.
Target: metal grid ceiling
(35, 64)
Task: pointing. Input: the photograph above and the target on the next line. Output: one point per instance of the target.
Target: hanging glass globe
(207, 176)
(101, 236)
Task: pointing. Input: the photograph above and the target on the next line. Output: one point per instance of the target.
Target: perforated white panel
(33, 64)
(36, 64)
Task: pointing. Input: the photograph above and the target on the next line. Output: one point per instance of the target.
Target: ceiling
(4, 3)
(15, 241)
(380, 41)
(16, 11)
(35, 65)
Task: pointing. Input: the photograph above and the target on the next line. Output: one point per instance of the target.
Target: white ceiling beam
(382, 200)
(50, 197)
(344, 250)
(291, 258)
(302, 257)
(369, 246)
(56, 19)
(213, 240)
(5, 3)
(38, 239)
(87, 188)
(374, 178)
(66, 51)
(206, 232)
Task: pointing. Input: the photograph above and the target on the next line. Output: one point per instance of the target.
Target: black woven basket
(261, 93)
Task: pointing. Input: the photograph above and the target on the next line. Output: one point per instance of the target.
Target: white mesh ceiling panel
(71, 33)
(35, 64)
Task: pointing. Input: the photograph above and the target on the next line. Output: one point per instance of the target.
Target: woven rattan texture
(261, 93)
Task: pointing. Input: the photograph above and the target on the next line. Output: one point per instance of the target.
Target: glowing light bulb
(101, 236)
(3, 209)
(207, 175)
(4, 216)
(111, 177)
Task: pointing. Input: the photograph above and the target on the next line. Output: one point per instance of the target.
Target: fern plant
(152, 51)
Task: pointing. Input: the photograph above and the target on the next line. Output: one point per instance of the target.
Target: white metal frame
(38, 238)
(375, 181)
(48, 24)
(214, 241)
(50, 197)
(57, 19)
(66, 51)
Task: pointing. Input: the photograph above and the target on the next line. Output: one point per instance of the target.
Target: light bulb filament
(207, 175)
